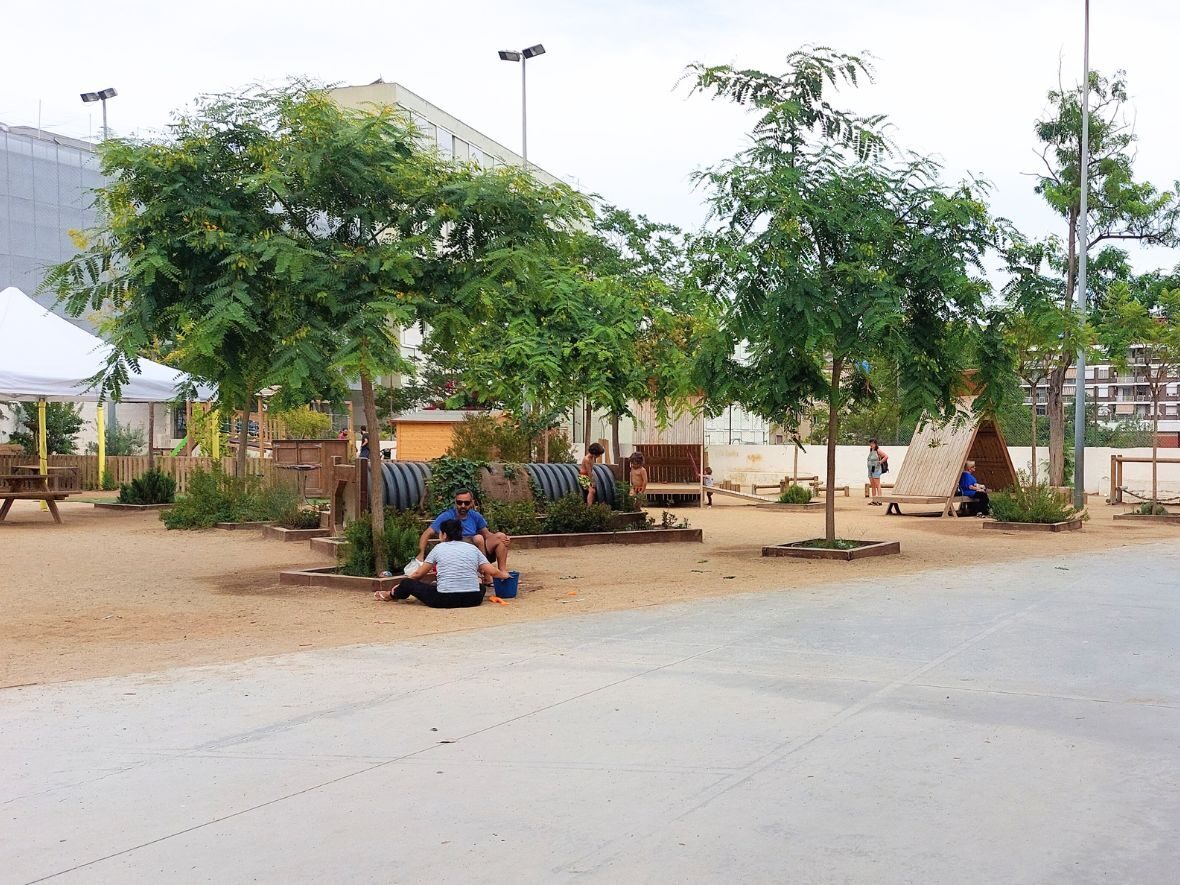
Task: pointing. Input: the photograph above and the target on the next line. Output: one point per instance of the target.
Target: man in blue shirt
(975, 492)
(493, 545)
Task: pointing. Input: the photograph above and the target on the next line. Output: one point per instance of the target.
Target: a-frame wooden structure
(934, 461)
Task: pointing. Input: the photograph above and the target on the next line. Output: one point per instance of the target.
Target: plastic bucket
(506, 587)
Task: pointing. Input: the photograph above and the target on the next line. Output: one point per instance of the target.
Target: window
(446, 143)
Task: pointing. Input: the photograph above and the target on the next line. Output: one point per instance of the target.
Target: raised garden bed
(130, 508)
(281, 533)
(1166, 518)
(862, 550)
(330, 546)
(235, 526)
(1067, 526)
(330, 577)
(791, 508)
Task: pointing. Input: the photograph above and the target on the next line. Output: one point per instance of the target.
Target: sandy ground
(110, 593)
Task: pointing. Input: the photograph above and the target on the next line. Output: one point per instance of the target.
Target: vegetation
(213, 497)
(121, 439)
(571, 515)
(306, 423)
(153, 487)
(300, 518)
(399, 543)
(795, 494)
(63, 423)
(1029, 502)
(448, 475)
(810, 266)
(1150, 509)
(512, 517)
(483, 437)
(625, 502)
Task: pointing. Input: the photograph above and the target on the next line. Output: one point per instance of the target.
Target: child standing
(638, 480)
(586, 471)
(707, 482)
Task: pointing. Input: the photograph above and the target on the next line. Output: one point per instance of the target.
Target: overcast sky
(960, 79)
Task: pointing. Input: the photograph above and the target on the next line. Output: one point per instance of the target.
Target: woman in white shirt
(459, 566)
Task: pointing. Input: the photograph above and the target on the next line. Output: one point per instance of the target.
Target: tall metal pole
(106, 133)
(1079, 424)
(524, 113)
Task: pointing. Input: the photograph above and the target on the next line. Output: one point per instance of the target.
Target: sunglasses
(464, 503)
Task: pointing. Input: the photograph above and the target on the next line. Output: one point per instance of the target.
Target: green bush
(153, 487)
(214, 497)
(571, 515)
(485, 438)
(512, 517)
(795, 494)
(301, 518)
(624, 501)
(448, 475)
(108, 483)
(1028, 503)
(1149, 509)
(306, 423)
(122, 439)
(400, 540)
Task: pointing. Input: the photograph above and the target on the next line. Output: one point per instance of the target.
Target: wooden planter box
(331, 546)
(131, 508)
(865, 550)
(281, 533)
(1165, 518)
(791, 508)
(328, 577)
(1068, 526)
(237, 526)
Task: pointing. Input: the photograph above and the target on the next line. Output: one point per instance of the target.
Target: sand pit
(111, 593)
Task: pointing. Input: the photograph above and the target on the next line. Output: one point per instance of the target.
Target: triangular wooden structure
(930, 472)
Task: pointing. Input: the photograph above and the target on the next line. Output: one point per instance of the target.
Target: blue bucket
(506, 587)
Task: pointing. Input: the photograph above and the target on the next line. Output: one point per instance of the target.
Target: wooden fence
(124, 468)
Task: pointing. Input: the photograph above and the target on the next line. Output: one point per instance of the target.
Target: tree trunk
(151, 441)
(1033, 465)
(1155, 446)
(1055, 406)
(614, 439)
(833, 426)
(376, 487)
(587, 418)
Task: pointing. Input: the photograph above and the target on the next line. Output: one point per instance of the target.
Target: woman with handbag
(878, 463)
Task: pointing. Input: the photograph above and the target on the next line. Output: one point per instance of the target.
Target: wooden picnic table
(29, 487)
(56, 476)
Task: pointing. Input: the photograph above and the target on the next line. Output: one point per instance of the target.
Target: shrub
(400, 540)
(795, 494)
(306, 423)
(560, 450)
(624, 501)
(1028, 503)
(487, 438)
(571, 515)
(214, 497)
(301, 518)
(512, 517)
(108, 484)
(1150, 509)
(122, 439)
(448, 475)
(153, 487)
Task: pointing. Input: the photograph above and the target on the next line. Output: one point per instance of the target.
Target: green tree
(831, 252)
(63, 423)
(1146, 343)
(1118, 206)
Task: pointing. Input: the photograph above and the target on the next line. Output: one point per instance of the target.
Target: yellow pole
(42, 445)
(215, 443)
(100, 422)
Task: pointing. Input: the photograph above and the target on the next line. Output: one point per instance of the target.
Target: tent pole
(42, 446)
(215, 442)
(100, 423)
(151, 436)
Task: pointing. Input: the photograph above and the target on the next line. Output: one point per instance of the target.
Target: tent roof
(43, 356)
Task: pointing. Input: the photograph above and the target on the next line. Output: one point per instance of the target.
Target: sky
(961, 80)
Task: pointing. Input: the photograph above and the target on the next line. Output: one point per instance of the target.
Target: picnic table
(62, 479)
(29, 487)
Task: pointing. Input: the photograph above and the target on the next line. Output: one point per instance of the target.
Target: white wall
(766, 464)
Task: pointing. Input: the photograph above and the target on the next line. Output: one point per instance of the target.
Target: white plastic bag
(412, 566)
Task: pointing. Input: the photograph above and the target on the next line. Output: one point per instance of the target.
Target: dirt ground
(110, 593)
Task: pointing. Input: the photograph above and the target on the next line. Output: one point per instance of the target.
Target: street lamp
(102, 96)
(523, 56)
(1079, 388)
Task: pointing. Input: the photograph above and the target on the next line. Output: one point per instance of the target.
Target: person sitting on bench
(977, 503)
(460, 566)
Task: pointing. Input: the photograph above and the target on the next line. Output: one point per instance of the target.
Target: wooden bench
(868, 487)
(29, 487)
(948, 503)
(817, 489)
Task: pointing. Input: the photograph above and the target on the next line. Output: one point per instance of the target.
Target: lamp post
(522, 56)
(1079, 408)
(102, 95)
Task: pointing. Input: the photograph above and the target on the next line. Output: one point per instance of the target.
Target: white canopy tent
(44, 357)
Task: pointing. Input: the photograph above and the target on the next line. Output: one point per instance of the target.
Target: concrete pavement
(1011, 724)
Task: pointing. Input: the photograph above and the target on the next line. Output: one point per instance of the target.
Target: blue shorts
(875, 473)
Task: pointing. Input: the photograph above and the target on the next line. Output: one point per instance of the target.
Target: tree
(831, 251)
(63, 423)
(1127, 323)
(1118, 206)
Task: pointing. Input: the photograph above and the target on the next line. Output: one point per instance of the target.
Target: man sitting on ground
(460, 567)
(493, 545)
(977, 503)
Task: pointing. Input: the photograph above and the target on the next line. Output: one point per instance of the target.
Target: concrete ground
(1016, 723)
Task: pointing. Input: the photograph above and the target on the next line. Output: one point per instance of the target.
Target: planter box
(236, 526)
(328, 577)
(865, 550)
(791, 508)
(1068, 526)
(330, 546)
(280, 533)
(623, 520)
(1165, 518)
(131, 508)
